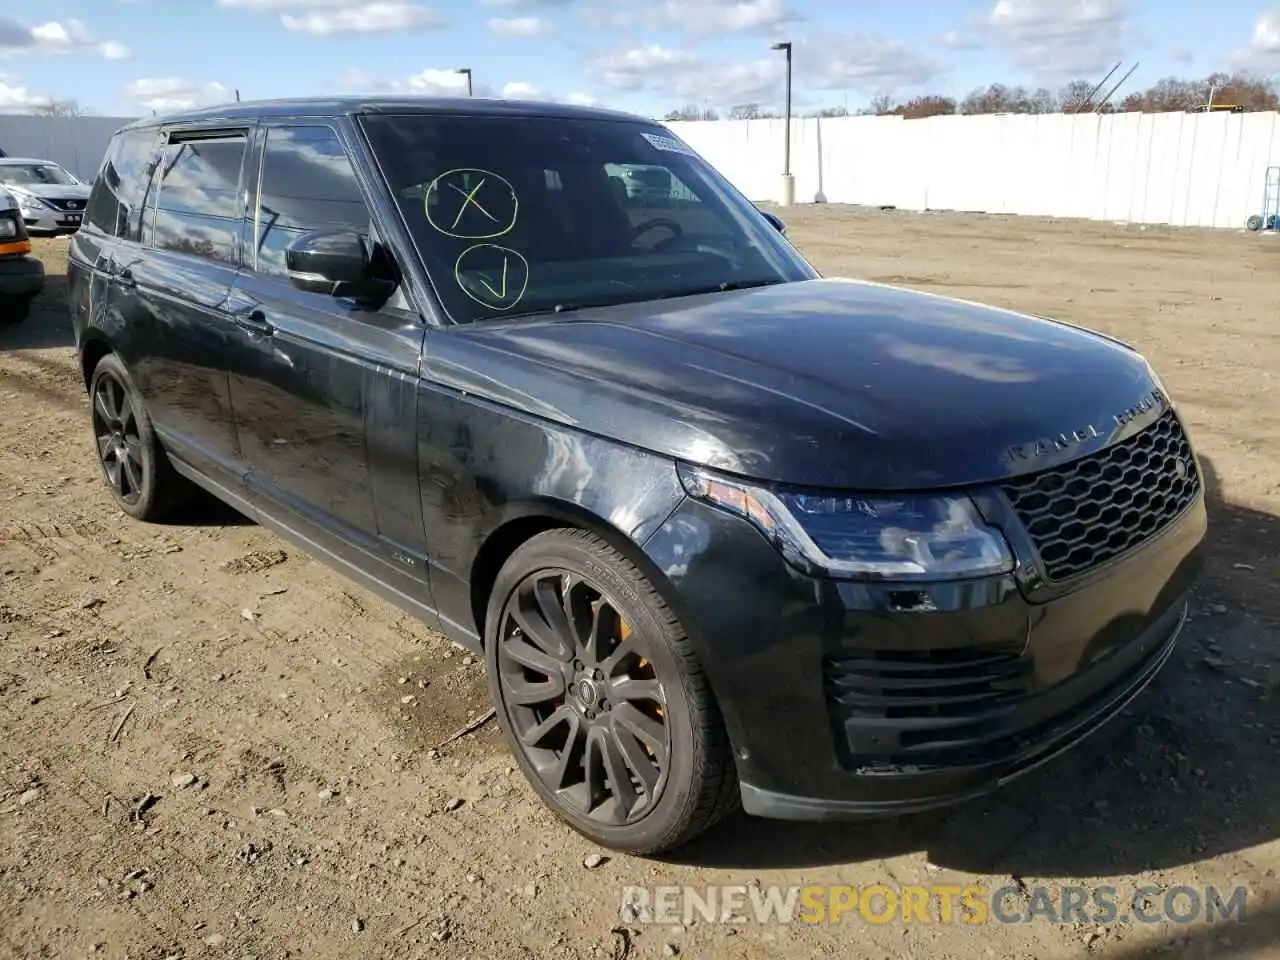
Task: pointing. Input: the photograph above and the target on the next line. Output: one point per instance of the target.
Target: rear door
(171, 288)
(324, 392)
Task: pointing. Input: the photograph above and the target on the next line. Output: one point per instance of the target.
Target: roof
(344, 106)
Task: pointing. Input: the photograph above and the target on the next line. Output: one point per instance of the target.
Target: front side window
(197, 207)
(526, 215)
(115, 205)
(307, 184)
(35, 175)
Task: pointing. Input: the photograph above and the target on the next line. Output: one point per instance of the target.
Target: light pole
(467, 71)
(788, 181)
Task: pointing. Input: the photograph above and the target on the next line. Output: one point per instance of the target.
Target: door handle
(125, 279)
(254, 322)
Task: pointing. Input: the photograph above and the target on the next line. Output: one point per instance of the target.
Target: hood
(827, 383)
(55, 191)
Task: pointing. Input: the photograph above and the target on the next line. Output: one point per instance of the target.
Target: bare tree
(1172, 94)
(749, 111)
(692, 111)
(1244, 90)
(1074, 97)
(998, 98)
(59, 108)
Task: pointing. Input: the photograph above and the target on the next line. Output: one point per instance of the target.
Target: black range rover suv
(725, 531)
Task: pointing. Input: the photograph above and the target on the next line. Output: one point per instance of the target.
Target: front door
(324, 392)
(170, 289)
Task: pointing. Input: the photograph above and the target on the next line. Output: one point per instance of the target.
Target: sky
(132, 57)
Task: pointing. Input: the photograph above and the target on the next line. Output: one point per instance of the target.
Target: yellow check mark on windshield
(500, 294)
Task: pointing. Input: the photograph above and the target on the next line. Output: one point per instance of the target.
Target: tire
(651, 681)
(134, 465)
(1253, 223)
(15, 310)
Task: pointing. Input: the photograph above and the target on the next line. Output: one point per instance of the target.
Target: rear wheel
(601, 698)
(142, 481)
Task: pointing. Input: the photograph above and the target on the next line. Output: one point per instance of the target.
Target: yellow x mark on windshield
(468, 200)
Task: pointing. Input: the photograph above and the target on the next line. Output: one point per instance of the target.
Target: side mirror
(776, 221)
(335, 263)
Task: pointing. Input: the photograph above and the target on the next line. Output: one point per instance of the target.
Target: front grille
(1096, 508)
(75, 205)
(920, 707)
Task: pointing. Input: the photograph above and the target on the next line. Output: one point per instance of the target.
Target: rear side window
(307, 184)
(116, 202)
(197, 207)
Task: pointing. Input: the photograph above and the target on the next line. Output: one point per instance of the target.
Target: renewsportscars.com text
(940, 903)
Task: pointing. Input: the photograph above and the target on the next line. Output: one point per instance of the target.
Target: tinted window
(115, 205)
(307, 184)
(197, 209)
(519, 215)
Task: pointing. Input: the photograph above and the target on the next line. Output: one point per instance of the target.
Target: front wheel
(601, 698)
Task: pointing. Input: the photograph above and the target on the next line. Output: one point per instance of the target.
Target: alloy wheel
(581, 694)
(115, 426)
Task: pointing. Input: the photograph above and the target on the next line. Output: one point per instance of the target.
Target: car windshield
(516, 216)
(35, 174)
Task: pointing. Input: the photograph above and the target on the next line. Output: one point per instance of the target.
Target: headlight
(32, 203)
(889, 537)
(8, 228)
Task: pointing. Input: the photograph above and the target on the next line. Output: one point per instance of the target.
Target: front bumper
(52, 221)
(21, 277)
(846, 699)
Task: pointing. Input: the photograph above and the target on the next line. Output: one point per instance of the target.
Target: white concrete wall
(1174, 168)
(77, 143)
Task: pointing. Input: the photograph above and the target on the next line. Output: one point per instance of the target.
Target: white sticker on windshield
(669, 144)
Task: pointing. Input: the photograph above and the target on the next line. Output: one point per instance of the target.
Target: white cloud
(698, 18)
(168, 94)
(15, 97)
(55, 37)
(114, 51)
(705, 17)
(1262, 54)
(858, 62)
(385, 17)
(428, 83)
(1266, 35)
(326, 18)
(636, 68)
(831, 61)
(517, 27)
(1057, 38)
(519, 90)
(434, 82)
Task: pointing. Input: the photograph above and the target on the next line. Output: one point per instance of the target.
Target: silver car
(51, 198)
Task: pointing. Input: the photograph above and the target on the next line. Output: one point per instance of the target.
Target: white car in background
(52, 199)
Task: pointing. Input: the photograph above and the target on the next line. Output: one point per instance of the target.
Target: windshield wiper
(722, 287)
(543, 312)
(559, 308)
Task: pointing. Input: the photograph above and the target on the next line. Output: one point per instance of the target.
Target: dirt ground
(211, 745)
